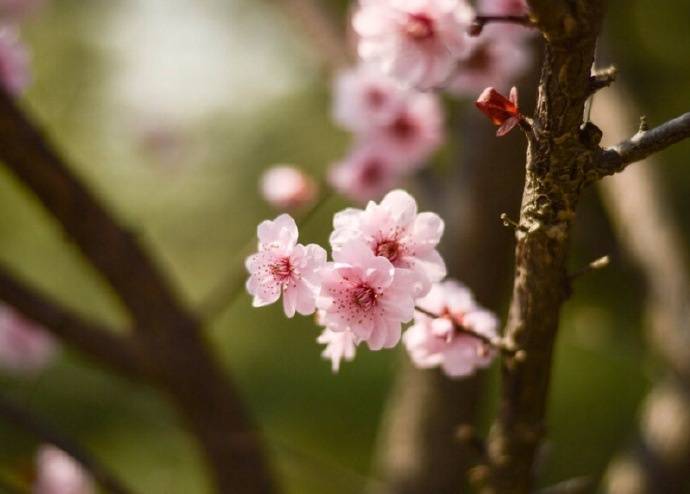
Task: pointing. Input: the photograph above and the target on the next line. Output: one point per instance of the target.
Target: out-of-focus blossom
(437, 342)
(415, 41)
(14, 61)
(16, 9)
(282, 266)
(504, 30)
(340, 345)
(59, 473)
(393, 229)
(502, 111)
(494, 62)
(25, 347)
(366, 173)
(414, 133)
(287, 188)
(364, 98)
(366, 295)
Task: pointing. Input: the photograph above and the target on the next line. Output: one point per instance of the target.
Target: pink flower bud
(24, 346)
(59, 473)
(14, 62)
(502, 111)
(286, 187)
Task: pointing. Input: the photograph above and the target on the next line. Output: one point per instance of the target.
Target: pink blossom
(286, 187)
(340, 345)
(364, 98)
(437, 342)
(416, 41)
(366, 173)
(366, 295)
(59, 473)
(498, 30)
(24, 346)
(393, 229)
(414, 132)
(14, 61)
(282, 266)
(489, 63)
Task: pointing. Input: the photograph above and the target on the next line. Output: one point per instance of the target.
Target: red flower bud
(502, 111)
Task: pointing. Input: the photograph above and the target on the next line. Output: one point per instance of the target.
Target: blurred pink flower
(393, 229)
(59, 473)
(364, 97)
(366, 173)
(340, 345)
(491, 62)
(366, 295)
(24, 346)
(503, 30)
(287, 188)
(283, 266)
(415, 41)
(14, 61)
(414, 133)
(435, 342)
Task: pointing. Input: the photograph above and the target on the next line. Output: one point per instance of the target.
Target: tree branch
(643, 144)
(99, 343)
(19, 417)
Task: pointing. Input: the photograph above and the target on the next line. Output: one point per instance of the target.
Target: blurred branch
(648, 230)
(21, 418)
(170, 336)
(97, 342)
(643, 144)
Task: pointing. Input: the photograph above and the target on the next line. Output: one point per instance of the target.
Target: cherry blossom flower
(502, 111)
(282, 266)
(366, 295)
(414, 133)
(59, 473)
(25, 347)
(340, 345)
(393, 229)
(14, 61)
(503, 30)
(287, 188)
(437, 342)
(364, 98)
(415, 41)
(366, 173)
(490, 62)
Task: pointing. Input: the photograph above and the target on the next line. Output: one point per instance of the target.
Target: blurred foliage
(185, 177)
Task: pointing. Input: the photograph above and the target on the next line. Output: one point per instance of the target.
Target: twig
(643, 144)
(595, 265)
(16, 415)
(98, 342)
(480, 21)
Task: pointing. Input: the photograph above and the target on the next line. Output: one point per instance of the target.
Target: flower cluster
(395, 131)
(426, 43)
(384, 261)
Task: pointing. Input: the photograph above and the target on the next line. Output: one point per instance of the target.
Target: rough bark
(168, 335)
(558, 163)
(648, 230)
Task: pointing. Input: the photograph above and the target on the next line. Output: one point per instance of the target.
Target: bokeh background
(170, 110)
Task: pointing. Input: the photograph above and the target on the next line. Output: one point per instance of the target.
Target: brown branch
(557, 166)
(22, 418)
(97, 342)
(182, 362)
(643, 144)
(480, 21)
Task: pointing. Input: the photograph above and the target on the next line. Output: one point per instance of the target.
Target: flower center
(375, 97)
(390, 249)
(365, 296)
(403, 128)
(419, 27)
(282, 269)
(372, 172)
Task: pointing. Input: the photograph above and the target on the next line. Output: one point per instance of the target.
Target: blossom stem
(480, 21)
(496, 343)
